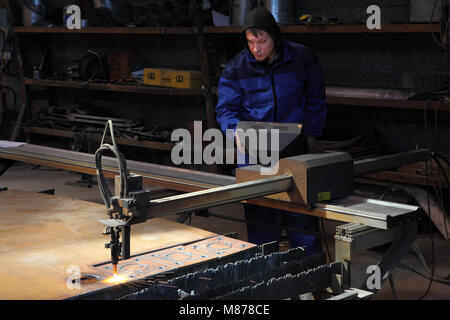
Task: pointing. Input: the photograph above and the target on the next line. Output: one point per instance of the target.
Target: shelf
(164, 146)
(301, 29)
(413, 174)
(286, 29)
(115, 87)
(390, 28)
(396, 104)
(106, 30)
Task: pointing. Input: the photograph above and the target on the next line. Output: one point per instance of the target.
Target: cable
(1, 113)
(104, 190)
(3, 108)
(443, 158)
(405, 267)
(325, 239)
(14, 94)
(431, 234)
(444, 174)
(439, 197)
(444, 32)
(428, 195)
(436, 157)
(2, 52)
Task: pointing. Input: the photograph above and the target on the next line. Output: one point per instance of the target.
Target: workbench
(382, 222)
(45, 238)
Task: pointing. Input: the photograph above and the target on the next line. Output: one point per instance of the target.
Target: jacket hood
(262, 18)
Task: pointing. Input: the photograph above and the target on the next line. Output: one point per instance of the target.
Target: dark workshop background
(409, 62)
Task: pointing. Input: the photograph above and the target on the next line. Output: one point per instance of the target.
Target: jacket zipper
(274, 97)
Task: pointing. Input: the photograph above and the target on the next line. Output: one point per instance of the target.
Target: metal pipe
(388, 162)
(365, 93)
(282, 11)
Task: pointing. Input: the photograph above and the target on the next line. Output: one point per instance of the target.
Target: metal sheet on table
(153, 263)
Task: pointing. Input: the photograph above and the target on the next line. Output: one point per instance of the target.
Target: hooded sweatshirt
(261, 18)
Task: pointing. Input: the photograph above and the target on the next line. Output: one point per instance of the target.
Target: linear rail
(378, 214)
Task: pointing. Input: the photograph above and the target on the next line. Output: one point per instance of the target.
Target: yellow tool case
(185, 79)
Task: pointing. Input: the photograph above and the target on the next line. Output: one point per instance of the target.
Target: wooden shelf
(396, 104)
(413, 174)
(286, 29)
(389, 28)
(115, 87)
(165, 146)
(106, 30)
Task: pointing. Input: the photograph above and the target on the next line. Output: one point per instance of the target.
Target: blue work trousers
(259, 234)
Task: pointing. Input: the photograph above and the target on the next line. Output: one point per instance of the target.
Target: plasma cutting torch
(124, 208)
(305, 179)
(315, 184)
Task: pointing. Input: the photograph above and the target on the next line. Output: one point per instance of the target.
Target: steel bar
(378, 164)
(364, 93)
(218, 196)
(158, 175)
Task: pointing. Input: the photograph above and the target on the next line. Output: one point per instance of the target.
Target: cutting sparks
(116, 278)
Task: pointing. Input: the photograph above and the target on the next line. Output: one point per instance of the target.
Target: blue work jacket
(290, 90)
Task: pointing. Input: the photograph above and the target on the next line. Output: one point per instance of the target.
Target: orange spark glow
(116, 279)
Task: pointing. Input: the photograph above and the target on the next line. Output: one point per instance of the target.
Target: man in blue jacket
(274, 80)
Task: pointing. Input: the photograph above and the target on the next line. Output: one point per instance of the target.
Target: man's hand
(239, 146)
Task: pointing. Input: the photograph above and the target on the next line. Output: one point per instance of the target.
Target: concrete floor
(408, 285)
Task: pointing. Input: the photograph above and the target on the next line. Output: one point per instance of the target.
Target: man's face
(261, 45)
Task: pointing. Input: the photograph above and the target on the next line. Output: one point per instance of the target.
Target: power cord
(2, 107)
(444, 32)
(325, 239)
(122, 164)
(431, 234)
(428, 199)
(444, 174)
(406, 267)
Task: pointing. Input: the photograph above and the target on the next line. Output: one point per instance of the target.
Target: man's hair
(257, 31)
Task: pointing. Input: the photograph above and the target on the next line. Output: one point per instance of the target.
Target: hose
(122, 164)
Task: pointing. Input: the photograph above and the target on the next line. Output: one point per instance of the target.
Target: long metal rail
(379, 214)
(162, 176)
(218, 196)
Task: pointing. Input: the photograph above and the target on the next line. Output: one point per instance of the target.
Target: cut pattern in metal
(180, 256)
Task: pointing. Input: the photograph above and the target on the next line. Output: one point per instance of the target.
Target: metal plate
(176, 257)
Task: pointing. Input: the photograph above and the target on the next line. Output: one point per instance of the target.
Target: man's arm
(229, 110)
